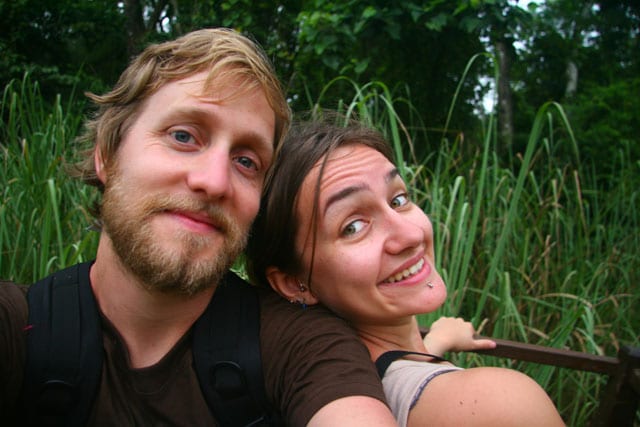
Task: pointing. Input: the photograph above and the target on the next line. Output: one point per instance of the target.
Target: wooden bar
(549, 356)
(553, 356)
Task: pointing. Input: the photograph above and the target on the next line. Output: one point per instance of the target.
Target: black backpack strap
(386, 359)
(64, 349)
(226, 349)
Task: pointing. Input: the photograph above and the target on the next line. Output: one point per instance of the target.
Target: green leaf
(437, 23)
(369, 12)
(361, 66)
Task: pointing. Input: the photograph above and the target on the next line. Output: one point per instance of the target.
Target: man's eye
(247, 162)
(399, 200)
(353, 228)
(182, 136)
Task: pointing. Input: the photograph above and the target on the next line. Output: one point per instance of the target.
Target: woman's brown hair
(272, 241)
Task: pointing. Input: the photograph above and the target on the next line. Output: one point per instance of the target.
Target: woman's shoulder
(280, 314)
(291, 330)
(405, 380)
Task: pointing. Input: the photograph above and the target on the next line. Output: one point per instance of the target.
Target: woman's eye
(182, 136)
(399, 200)
(353, 228)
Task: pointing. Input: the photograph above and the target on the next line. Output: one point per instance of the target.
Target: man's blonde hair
(224, 54)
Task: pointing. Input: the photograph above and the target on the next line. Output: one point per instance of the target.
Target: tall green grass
(531, 248)
(43, 216)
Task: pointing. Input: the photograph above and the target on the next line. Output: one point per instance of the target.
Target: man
(180, 150)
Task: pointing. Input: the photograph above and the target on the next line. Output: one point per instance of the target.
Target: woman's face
(374, 257)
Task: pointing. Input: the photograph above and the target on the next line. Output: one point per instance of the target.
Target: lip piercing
(430, 285)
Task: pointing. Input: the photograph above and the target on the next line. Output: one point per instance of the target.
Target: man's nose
(210, 173)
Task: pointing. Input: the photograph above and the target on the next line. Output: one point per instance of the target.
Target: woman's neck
(382, 338)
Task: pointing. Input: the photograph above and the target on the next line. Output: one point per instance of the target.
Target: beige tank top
(404, 381)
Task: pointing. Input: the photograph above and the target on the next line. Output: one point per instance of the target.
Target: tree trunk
(505, 101)
(572, 79)
(177, 26)
(135, 25)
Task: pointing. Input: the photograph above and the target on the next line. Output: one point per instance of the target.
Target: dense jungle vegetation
(517, 126)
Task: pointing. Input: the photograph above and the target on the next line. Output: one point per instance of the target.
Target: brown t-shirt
(310, 358)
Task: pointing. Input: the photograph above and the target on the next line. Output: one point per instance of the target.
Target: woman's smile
(406, 273)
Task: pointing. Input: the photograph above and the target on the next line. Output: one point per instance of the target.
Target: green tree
(501, 23)
(418, 48)
(586, 56)
(62, 44)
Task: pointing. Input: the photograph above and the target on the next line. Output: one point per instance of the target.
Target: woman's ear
(101, 172)
(289, 287)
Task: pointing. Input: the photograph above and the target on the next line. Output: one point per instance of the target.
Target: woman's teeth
(406, 273)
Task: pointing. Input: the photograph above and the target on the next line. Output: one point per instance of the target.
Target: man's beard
(126, 218)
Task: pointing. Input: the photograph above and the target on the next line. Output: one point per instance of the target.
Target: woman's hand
(453, 334)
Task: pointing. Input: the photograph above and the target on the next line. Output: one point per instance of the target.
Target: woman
(337, 227)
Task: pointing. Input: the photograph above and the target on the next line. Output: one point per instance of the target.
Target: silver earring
(302, 287)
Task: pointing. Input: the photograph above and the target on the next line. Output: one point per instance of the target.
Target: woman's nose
(405, 231)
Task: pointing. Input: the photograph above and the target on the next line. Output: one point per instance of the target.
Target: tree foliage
(413, 47)
(62, 43)
(585, 55)
(566, 51)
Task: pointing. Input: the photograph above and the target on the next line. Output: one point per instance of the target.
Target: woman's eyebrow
(348, 191)
(343, 194)
(391, 175)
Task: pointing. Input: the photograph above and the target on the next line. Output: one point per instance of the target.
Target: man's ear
(289, 287)
(101, 171)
